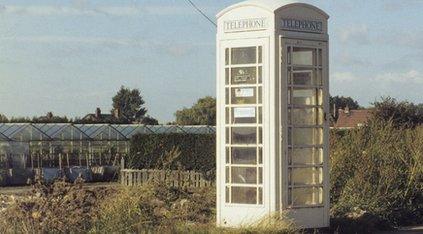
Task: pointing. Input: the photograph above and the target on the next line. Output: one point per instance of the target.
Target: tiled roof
(352, 118)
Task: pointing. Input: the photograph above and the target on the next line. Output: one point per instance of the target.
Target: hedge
(197, 152)
(3, 177)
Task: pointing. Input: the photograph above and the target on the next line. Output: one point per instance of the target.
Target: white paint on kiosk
(272, 125)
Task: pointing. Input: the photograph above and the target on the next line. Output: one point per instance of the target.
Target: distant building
(98, 117)
(352, 118)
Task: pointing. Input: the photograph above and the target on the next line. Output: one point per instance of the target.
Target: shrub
(401, 113)
(155, 207)
(60, 207)
(377, 170)
(3, 177)
(197, 152)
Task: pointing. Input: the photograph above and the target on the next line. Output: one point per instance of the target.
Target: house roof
(352, 118)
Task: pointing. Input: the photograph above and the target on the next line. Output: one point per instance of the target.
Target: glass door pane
(305, 125)
(243, 83)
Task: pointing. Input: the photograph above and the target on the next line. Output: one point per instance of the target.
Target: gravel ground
(6, 200)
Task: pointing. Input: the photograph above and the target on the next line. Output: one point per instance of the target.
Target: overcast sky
(70, 57)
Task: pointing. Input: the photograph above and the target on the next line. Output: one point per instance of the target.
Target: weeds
(376, 172)
(155, 207)
(60, 207)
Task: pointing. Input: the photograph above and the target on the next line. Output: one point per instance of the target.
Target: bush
(56, 208)
(377, 170)
(401, 113)
(197, 152)
(153, 208)
(3, 177)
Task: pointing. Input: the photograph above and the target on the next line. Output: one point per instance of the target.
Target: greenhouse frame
(33, 145)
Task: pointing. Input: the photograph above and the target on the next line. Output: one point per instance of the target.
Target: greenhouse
(28, 145)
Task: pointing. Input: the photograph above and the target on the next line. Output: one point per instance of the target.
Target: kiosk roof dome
(270, 5)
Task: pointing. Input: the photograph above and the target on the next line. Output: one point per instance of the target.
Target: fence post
(122, 163)
(122, 168)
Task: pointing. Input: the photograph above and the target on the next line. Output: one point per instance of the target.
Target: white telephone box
(273, 103)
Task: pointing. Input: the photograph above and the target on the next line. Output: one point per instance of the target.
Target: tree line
(130, 105)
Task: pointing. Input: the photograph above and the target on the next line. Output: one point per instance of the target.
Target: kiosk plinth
(273, 108)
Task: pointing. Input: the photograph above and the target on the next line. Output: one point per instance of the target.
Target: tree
(3, 119)
(129, 103)
(402, 114)
(20, 120)
(148, 120)
(201, 113)
(341, 102)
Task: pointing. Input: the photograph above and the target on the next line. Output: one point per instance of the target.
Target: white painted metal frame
(252, 210)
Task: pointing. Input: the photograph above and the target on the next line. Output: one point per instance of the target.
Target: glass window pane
(260, 155)
(227, 115)
(288, 54)
(307, 136)
(305, 116)
(227, 175)
(227, 96)
(305, 176)
(227, 136)
(289, 96)
(260, 175)
(227, 76)
(260, 195)
(228, 189)
(260, 117)
(244, 115)
(260, 74)
(318, 77)
(244, 95)
(244, 195)
(243, 75)
(259, 95)
(226, 56)
(302, 56)
(302, 77)
(260, 54)
(245, 55)
(244, 155)
(304, 156)
(244, 175)
(228, 155)
(244, 135)
(305, 196)
(319, 97)
(260, 136)
(227, 118)
(304, 96)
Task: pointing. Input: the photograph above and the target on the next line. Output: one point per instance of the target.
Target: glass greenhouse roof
(96, 132)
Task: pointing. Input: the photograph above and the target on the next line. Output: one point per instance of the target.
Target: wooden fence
(130, 177)
(133, 177)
